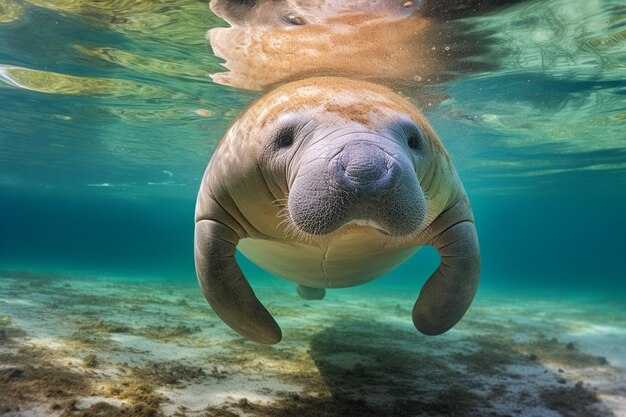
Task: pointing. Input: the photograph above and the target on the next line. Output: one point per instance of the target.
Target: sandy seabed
(83, 346)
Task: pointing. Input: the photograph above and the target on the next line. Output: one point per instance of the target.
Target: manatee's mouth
(367, 223)
(322, 214)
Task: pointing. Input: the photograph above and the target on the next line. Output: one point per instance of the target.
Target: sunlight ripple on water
(137, 92)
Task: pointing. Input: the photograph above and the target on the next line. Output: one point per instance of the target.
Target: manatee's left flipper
(226, 288)
(449, 291)
(310, 293)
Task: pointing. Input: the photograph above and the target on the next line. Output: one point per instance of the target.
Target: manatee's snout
(365, 169)
(369, 182)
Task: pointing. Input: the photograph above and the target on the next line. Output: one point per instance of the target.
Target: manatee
(399, 43)
(331, 182)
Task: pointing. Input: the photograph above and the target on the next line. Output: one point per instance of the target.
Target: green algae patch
(452, 402)
(296, 405)
(102, 409)
(554, 351)
(90, 361)
(168, 333)
(33, 377)
(290, 364)
(168, 373)
(576, 401)
(138, 390)
(92, 334)
(494, 353)
(139, 394)
(104, 327)
(491, 357)
(24, 382)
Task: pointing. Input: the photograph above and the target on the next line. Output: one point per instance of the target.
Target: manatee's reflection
(394, 42)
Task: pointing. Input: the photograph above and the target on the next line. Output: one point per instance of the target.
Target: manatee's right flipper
(310, 293)
(449, 291)
(226, 288)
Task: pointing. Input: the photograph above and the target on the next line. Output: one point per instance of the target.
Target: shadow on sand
(399, 373)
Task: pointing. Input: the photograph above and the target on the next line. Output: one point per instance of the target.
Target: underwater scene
(284, 278)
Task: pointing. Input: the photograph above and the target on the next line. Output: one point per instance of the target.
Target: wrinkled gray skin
(330, 182)
(358, 179)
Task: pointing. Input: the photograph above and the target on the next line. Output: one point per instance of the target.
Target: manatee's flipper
(226, 288)
(450, 290)
(310, 293)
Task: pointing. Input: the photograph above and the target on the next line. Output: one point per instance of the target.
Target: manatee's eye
(294, 19)
(414, 134)
(414, 141)
(285, 137)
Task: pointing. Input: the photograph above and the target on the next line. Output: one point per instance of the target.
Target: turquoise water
(99, 173)
(108, 117)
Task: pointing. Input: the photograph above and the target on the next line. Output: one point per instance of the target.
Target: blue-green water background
(101, 178)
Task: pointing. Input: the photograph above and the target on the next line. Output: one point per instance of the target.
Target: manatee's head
(302, 12)
(349, 152)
